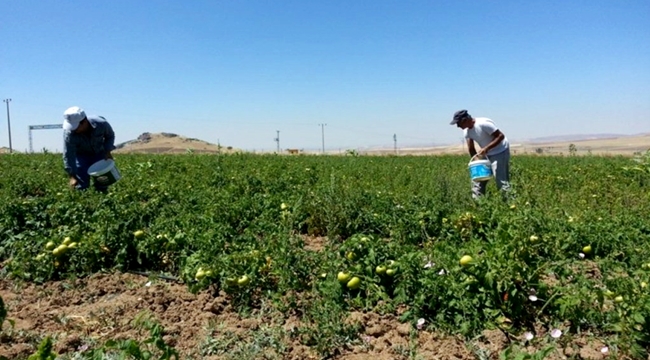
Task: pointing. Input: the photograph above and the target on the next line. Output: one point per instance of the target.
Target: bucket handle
(475, 156)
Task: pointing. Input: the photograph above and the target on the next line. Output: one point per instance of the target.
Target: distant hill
(578, 137)
(168, 143)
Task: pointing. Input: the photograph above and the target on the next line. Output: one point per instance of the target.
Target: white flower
(528, 336)
(604, 350)
(148, 284)
(428, 265)
(556, 333)
(420, 323)
(442, 272)
(581, 255)
(532, 298)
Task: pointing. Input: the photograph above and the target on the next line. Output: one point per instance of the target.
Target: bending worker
(494, 145)
(86, 140)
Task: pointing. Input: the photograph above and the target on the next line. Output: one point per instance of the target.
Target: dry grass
(628, 145)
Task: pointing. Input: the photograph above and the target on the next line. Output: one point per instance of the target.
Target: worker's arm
(497, 138)
(69, 157)
(471, 148)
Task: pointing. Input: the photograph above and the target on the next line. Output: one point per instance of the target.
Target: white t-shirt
(482, 134)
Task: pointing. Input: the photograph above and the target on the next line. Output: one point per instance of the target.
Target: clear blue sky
(237, 71)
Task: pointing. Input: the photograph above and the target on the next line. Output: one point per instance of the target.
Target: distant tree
(573, 150)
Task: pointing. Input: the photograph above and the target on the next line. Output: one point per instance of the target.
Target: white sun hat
(72, 117)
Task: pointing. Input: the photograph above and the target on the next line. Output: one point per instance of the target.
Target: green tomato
(380, 270)
(67, 240)
(72, 245)
(587, 249)
(466, 260)
(354, 283)
(391, 272)
(199, 275)
(619, 299)
(59, 250)
(139, 234)
(343, 277)
(351, 256)
(50, 245)
(243, 281)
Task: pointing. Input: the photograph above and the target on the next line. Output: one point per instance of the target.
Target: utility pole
(277, 140)
(322, 129)
(8, 124)
(395, 143)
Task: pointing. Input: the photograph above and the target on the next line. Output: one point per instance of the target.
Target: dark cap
(460, 115)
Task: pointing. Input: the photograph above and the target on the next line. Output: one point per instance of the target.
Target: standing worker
(494, 145)
(86, 140)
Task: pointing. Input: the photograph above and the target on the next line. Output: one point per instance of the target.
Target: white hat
(72, 117)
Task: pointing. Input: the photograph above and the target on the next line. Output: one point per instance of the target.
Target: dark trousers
(84, 161)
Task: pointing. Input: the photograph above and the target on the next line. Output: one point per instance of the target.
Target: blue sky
(237, 71)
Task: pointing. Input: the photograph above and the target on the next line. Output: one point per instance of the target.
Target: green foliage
(44, 351)
(243, 224)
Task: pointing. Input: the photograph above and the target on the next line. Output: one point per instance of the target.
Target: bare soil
(86, 312)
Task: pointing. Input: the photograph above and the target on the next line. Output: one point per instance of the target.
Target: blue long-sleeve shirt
(100, 140)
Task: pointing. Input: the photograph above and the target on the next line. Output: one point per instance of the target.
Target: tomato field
(565, 256)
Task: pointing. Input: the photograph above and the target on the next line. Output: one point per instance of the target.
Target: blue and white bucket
(480, 170)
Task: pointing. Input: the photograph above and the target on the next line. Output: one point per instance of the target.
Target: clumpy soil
(85, 313)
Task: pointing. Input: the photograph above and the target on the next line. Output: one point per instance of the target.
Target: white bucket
(104, 172)
(480, 170)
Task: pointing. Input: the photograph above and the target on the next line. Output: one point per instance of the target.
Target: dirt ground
(86, 312)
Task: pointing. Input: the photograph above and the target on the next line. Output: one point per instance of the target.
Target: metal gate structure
(41, 127)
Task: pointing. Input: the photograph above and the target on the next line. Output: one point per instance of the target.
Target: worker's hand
(482, 153)
(73, 181)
